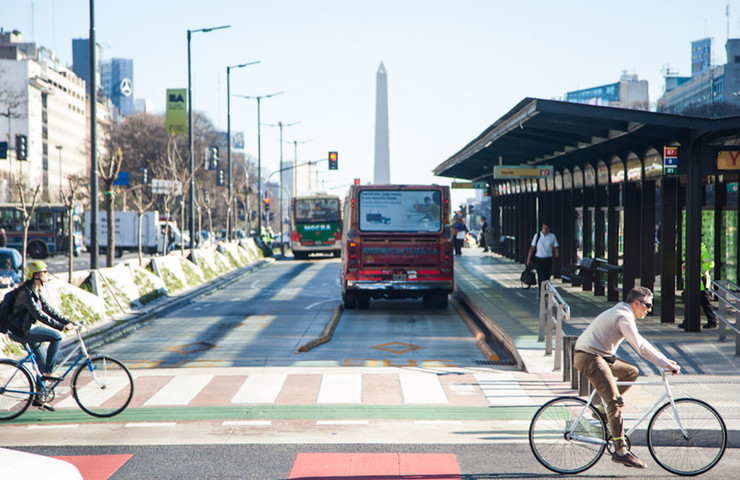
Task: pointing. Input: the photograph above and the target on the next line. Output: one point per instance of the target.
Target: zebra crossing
(223, 387)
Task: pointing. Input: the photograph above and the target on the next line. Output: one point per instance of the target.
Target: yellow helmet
(35, 267)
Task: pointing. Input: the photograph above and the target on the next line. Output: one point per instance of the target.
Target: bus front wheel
(37, 249)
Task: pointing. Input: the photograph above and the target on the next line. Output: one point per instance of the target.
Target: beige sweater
(604, 335)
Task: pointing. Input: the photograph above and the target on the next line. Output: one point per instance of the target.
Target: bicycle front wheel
(694, 449)
(102, 386)
(560, 444)
(16, 389)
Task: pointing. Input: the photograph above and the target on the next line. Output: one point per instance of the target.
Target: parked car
(11, 267)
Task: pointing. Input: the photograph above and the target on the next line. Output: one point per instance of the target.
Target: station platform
(710, 370)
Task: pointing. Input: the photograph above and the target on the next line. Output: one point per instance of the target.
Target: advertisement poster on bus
(400, 211)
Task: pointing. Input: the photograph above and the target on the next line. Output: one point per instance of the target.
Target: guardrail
(553, 311)
(729, 303)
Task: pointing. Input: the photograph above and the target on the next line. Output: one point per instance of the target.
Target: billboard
(701, 56)
(177, 111)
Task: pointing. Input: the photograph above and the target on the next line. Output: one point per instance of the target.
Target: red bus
(397, 243)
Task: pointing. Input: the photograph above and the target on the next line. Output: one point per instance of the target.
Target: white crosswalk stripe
(261, 388)
(340, 388)
(422, 388)
(502, 389)
(179, 391)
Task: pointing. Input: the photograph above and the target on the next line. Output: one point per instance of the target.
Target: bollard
(569, 351)
(584, 386)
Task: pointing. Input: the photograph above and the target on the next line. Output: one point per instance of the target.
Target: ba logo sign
(176, 97)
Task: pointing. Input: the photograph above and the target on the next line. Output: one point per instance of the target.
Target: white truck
(152, 232)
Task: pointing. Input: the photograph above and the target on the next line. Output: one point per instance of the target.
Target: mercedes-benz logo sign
(126, 87)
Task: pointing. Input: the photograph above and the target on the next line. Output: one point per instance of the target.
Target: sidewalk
(709, 368)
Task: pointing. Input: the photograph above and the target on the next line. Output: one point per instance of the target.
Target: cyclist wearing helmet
(31, 307)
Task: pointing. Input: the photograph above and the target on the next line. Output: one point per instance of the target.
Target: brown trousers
(603, 376)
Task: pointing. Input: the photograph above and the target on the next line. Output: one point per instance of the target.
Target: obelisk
(382, 153)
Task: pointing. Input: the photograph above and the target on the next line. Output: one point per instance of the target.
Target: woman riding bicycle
(30, 306)
(595, 358)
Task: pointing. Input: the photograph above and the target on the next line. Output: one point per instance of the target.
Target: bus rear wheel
(350, 300)
(37, 249)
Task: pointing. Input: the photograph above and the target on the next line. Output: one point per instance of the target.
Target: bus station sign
(670, 160)
(523, 171)
(477, 185)
(728, 160)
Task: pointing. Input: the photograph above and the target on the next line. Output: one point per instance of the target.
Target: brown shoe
(628, 460)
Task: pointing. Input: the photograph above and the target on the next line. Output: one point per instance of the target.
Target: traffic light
(21, 147)
(333, 161)
(145, 175)
(357, 181)
(272, 217)
(205, 195)
(221, 177)
(214, 158)
(267, 204)
(3, 150)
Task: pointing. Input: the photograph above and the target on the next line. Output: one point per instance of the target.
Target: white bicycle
(685, 436)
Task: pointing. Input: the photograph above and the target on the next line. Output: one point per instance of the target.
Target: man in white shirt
(544, 246)
(595, 358)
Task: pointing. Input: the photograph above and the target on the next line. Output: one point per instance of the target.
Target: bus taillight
(294, 236)
(446, 256)
(352, 256)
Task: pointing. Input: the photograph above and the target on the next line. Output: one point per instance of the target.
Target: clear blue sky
(454, 67)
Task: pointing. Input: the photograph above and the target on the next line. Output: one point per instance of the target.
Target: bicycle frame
(666, 395)
(31, 358)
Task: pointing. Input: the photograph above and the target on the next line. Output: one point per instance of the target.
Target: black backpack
(6, 309)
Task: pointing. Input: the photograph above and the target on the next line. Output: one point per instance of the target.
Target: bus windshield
(317, 210)
(400, 211)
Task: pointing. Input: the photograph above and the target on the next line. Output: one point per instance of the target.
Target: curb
(328, 331)
(120, 328)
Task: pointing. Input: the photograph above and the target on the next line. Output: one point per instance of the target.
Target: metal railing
(553, 311)
(729, 306)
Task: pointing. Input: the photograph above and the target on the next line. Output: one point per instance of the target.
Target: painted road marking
(260, 388)
(247, 423)
(340, 388)
(52, 427)
(179, 391)
(502, 389)
(149, 424)
(342, 422)
(94, 395)
(422, 388)
(364, 466)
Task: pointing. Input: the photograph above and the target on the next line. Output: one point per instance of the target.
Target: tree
(26, 210)
(141, 205)
(13, 103)
(108, 169)
(76, 185)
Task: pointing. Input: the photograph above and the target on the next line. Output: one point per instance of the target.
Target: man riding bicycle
(31, 307)
(595, 358)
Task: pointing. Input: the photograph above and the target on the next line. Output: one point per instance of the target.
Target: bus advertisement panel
(397, 244)
(317, 225)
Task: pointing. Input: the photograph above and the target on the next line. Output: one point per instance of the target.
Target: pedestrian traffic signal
(221, 181)
(21, 147)
(333, 161)
(267, 204)
(3, 150)
(214, 158)
(145, 175)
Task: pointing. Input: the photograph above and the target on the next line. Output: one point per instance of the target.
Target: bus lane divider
(328, 331)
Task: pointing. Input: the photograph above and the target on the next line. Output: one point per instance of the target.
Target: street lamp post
(259, 157)
(229, 218)
(190, 135)
(61, 195)
(281, 125)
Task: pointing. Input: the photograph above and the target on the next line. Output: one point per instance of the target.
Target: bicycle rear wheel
(102, 386)
(16, 389)
(697, 451)
(555, 447)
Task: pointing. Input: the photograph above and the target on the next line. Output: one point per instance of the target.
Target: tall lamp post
(61, 195)
(259, 157)
(190, 135)
(281, 125)
(229, 220)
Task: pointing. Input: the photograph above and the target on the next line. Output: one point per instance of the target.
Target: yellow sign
(462, 184)
(543, 171)
(728, 160)
(177, 111)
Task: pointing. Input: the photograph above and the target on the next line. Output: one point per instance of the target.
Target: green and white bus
(316, 225)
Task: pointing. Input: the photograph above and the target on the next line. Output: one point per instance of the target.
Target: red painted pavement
(375, 466)
(96, 467)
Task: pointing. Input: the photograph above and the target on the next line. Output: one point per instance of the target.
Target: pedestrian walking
(707, 263)
(483, 241)
(460, 230)
(544, 246)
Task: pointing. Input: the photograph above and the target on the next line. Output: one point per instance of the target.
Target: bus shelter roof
(548, 132)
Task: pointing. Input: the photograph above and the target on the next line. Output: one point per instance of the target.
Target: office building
(628, 92)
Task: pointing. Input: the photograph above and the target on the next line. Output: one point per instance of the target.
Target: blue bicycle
(102, 386)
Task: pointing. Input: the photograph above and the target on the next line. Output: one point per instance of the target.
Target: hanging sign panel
(728, 160)
(523, 171)
(670, 160)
